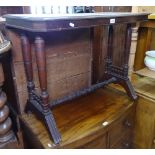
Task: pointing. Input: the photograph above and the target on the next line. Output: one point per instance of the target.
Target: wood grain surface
(82, 121)
(144, 131)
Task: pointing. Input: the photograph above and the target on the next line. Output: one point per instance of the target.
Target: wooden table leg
(121, 73)
(127, 48)
(27, 58)
(126, 82)
(110, 48)
(41, 64)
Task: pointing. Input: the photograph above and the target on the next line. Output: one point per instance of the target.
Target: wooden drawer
(98, 143)
(124, 142)
(121, 128)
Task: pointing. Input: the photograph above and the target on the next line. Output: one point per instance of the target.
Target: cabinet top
(51, 22)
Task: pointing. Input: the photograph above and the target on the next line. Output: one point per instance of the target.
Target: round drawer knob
(126, 145)
(127, 123)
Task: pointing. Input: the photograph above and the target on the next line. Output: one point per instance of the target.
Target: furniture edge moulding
(33, 24)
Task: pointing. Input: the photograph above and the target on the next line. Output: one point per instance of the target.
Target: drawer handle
(127, 123)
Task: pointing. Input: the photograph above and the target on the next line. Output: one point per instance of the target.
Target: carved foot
(51, 126)
(47, 118)
(126, 84)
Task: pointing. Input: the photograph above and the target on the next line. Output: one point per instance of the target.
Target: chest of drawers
(92, 121)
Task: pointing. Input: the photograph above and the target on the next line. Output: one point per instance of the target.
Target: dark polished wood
(101, 119)
(7, 135)
(27, 57)
(126, 83)
(8, 121)
(121, 73)
(6, 132)
(83, 92)
(127, 44)
(110, 47)
(46, 23)
(61, 47)
(144, 129)
(145, 112)
(41, 63)
(101, 41)
(46, 115)
(38, 29)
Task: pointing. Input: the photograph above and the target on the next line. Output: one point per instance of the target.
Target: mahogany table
(34, 28)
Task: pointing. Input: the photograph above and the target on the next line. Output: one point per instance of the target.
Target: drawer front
(123, 143)
(98, 143)
(122, 127)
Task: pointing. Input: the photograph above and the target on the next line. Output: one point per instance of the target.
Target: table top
(51, 22)
(47, 17)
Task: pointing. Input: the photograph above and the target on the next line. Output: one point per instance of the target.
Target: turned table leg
(27, 58)
(127, 48)
(126, 82)
(110, 48)
(120, 73)
(42, 73)
(41, 64)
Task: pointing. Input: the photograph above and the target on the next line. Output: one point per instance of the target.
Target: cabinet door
(120, 135)
(123, 143)
(145, 124)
